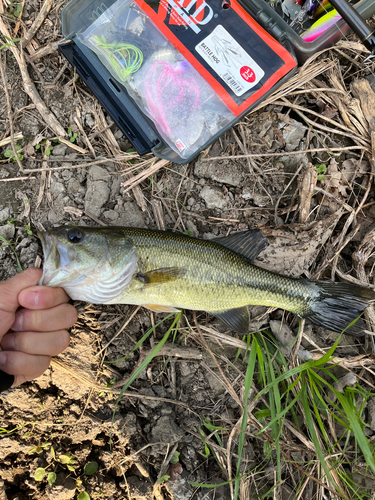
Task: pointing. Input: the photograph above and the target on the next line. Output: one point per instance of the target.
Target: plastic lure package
(184, 108)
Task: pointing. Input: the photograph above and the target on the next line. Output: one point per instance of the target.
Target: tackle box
(248, 36)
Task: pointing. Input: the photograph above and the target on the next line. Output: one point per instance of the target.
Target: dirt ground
(300, 168)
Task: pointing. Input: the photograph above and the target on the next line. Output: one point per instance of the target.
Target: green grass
(306, 394)
(303, 396)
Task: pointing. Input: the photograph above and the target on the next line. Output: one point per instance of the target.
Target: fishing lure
(124, 58)
(165, 87)
(321, 26)
(308, 7)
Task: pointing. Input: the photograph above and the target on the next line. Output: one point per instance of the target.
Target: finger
(20, 363)
(60, 317)
(40, 343)
(10, 289)
(42, 297)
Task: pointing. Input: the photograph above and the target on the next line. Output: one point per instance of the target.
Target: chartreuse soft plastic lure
(124, 58)
(321, 26)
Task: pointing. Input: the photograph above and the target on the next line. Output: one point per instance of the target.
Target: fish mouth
(50, 256)
(46, 247)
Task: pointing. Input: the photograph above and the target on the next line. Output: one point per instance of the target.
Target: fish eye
(75, 236)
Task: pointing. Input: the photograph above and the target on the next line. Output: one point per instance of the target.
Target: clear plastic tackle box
(177, 74)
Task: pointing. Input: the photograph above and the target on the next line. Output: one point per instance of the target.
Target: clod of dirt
(216, 385)
(166, 431)
(180, 490)
(27, 250)
(97, 194)
(127, 214)
(138, 489)
(63, 489)
(220, 172)
(81, 359)
(213, 197)
(7, 232)
(9, 446)
(293, 249)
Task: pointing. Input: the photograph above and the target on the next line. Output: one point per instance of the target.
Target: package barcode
(233, 84)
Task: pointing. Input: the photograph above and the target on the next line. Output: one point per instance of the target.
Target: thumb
(10, 289)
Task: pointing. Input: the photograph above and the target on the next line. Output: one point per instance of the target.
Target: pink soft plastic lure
(321, 26)
(162, 81)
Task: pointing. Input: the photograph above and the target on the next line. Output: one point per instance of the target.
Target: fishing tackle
(308, 7)
(321, 25)
(124, 58)
(165, 87)
(322, 8)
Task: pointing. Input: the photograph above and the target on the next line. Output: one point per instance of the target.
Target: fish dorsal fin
(249, 244)
(162, 275)
(237, 319)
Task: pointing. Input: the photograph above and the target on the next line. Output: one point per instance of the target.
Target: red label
(247, 74)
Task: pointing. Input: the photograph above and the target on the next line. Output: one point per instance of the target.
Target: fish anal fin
(158, 308)
(236, 319)
(162, 275)
(249, 244)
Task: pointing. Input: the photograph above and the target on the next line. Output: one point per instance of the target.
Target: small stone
(213, 197)
(192, 227)
(293, 133)
(59, 150)
(90, 122)
(4, 214)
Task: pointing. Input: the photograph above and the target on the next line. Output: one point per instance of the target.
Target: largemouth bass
(167, 271)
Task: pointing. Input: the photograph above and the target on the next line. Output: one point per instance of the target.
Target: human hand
(33, 323)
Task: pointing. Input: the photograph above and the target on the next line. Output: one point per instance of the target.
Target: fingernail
(3, 359)
(18, 322)
(30, 299)
(7, 342)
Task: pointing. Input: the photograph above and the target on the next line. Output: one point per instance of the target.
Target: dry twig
(10, 114)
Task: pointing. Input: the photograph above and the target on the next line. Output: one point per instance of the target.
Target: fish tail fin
(336, 305)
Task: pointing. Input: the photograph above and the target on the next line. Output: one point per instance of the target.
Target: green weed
(9, 154)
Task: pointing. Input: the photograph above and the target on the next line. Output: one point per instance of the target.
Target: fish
(168, 271)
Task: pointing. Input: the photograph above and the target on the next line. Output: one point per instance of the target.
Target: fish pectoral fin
(162, 275)
(237, 319)
(249, 244)
(157, 308)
